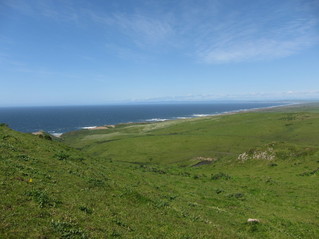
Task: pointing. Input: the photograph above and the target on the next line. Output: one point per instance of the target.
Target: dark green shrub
(45, 136)
(42, 198)
(161, 204)
(272, 165)
(218, 191)
(236, 195)
(61, 156)
(309, 173)
(220, 176)
(68, 230)
(86, 210)
(93, 182)
(196, 176)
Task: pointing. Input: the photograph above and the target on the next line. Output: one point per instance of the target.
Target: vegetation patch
(95, 183)
(236, 195)
(262, 154)
(86, 209)
(62, 155)
(68, 230)
(309, 173)
(152, 169)
(220, 175)
(42, 198)
(277, 150)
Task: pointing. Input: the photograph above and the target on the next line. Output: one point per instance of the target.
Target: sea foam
(201, 115)
(88, 127)
(156, 120)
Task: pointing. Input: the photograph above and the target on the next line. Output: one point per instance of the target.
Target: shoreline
(160, 120)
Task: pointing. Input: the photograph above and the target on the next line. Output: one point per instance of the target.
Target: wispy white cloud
(244, 36)
(212, 32)
(151, 30)
(259, 49)
(126, 53)
(144, 31)
(61, 11)
(19, 5)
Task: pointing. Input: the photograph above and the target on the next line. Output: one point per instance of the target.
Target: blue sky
(57, 52)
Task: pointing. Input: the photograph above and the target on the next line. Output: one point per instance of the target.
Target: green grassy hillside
(184, 141)
(198, 178)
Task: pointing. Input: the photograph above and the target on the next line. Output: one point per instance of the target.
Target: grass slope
(183, 141)
(136, 181)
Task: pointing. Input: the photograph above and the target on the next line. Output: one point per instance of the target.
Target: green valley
(193, 178)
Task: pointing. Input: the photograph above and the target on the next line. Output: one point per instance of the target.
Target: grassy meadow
(193, 178)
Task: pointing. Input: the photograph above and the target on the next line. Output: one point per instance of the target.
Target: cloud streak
(60, 11)
(246, 37)
(140, 29)
(257, 49)
(209, 31)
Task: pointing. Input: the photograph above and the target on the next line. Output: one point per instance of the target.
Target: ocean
(60, 119)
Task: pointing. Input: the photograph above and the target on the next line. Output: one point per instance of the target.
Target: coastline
(194, 116)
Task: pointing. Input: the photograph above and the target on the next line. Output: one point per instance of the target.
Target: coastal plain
(191, 178)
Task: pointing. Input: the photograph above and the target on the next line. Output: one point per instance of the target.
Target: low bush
(220, 176)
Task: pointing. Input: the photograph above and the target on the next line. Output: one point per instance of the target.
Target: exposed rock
(43, 135)
(253, 220)
(268, 154)
(203, 161)
(99, 127)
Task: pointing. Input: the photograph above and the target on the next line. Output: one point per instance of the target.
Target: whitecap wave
(89, 127)
(156, 120)
(200, 115)
(183, 117)
(57, 134)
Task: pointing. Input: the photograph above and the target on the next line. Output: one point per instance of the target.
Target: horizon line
(169, 102)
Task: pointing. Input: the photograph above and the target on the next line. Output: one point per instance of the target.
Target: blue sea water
(57, 120)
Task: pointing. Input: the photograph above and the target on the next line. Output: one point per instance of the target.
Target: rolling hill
(194, 178)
